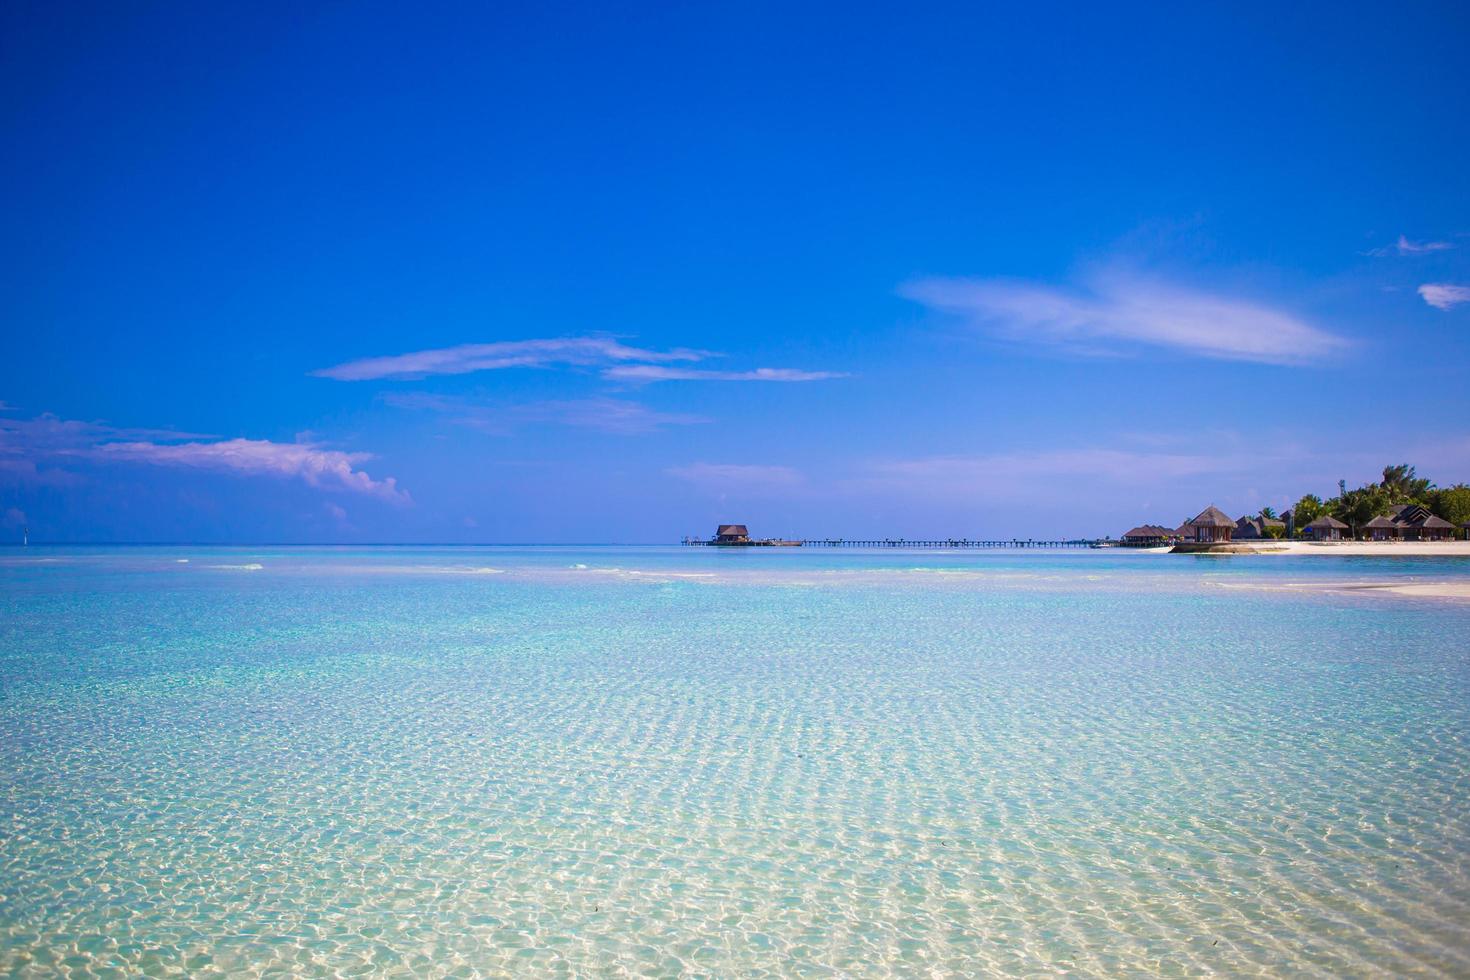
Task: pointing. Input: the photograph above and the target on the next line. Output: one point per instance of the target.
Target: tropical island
(1401, 508)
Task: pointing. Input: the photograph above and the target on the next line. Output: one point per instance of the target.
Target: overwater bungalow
(1148, 535)
(732, 534)
(1325, 528)
(1210, 526)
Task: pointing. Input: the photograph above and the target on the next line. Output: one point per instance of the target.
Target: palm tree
(1307, 510)
(1403, 485)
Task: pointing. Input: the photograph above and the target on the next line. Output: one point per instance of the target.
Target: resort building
(1325, 528)
(1381, 529)
(1256, 528)
(1414, 522)
(1409, 522)
(1146, 535)
(732, 534)
(1210, 526)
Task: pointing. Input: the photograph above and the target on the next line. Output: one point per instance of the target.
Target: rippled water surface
(687, 761)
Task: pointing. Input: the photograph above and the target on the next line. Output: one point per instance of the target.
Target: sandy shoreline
(1388, 549)
(1382, 549)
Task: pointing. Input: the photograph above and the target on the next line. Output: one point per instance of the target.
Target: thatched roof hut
(1435, 527)
(1212, 516)
(1210, 525)
(1382, 528)
(1148, 534)
(1414, 522)
(1259, 527)
(732, 534)
(1325, 528)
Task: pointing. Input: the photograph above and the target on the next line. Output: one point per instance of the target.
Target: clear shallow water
(493, 761)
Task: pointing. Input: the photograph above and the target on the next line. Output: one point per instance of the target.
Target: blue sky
(368, 273)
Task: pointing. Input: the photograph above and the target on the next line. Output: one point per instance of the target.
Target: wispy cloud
(1120, 313)
(27, 445)
(1443, 296)
(649, 372)
(1406, 247)
(747, 479)
(1001, 470)
(608, 415)
(612, 415)
(24, 443)
(49, 432)
(468, 358)
(329, 469)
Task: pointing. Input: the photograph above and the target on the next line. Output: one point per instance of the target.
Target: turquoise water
(664, 761)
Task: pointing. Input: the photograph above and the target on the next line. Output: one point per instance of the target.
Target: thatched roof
(1381, 522)
(1326, 521)
(732, 530)
(1148, 531)
(1436, 522)
(1212, 516)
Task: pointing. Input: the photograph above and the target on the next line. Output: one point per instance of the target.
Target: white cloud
(467, 358)
(49, 432)
(328, 469)
(646, 372)
(1122, 312)
(1405, 247)
(603, 414)
(607, 415)
(739, 478)
(25, 442)
(1443, 296)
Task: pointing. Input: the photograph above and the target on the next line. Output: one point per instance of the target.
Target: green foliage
(1401, 485)
(1357, 507)
(1307, 510)
(1274, 531)
(1452, 503)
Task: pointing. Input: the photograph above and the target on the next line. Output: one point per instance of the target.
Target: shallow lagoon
(664, 760)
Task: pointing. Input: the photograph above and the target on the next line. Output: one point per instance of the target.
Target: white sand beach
(1388, 549)
(1385, 549)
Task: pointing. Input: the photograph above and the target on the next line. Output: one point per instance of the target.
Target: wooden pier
(907, 543)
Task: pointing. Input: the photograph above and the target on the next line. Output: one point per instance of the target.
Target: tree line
(1400, 485)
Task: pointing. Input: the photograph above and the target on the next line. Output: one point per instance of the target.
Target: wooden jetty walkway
(904, 543)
